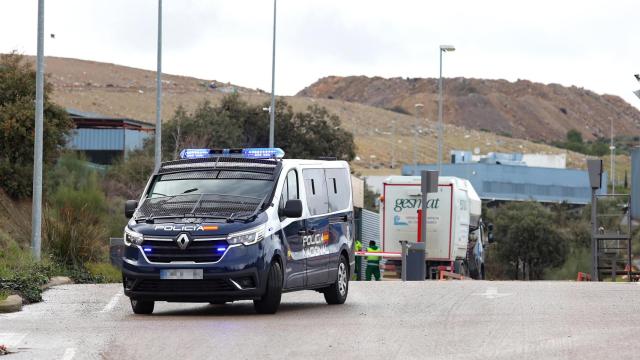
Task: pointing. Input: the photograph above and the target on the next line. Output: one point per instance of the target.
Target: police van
(239, 224)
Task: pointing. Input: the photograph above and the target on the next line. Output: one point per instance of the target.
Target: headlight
(247, 237)
(131, 237)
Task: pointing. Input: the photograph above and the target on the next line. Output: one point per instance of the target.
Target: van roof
(319, 163)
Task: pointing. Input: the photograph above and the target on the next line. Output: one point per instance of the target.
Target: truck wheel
(337, 292)
(142, 307)
(270, 301)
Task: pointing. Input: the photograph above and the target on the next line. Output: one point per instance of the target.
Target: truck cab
(239, 224)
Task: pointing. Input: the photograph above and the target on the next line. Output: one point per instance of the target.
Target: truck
(455, 233)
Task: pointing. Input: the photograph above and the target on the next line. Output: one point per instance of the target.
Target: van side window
(339, 194)
(289, 188)
(316, 191)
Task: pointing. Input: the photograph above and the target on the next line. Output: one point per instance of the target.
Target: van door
(340, 218)
(316, 239)
(292, 232)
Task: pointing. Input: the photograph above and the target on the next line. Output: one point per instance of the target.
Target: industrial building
(103, 139)
(508, 177)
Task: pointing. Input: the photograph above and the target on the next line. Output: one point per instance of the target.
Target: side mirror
(130, 207)
(292, 209)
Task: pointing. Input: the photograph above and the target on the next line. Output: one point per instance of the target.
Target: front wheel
(337, 292)
(142, 307)
(270, 301)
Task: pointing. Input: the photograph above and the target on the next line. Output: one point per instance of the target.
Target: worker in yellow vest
(373, 262)
(358, 271)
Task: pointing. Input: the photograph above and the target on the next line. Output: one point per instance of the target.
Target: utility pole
(443, 48)
(415, 136)
(272, 108)
(612, 147)
(158, 147)
(36, 213)
(393, 145)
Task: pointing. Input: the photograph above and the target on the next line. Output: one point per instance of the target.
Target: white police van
(239, 224)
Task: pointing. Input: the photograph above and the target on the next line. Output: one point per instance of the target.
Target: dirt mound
(521, 109)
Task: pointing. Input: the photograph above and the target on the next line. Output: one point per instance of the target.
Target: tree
(528, 239)
(17, 109)
(574, 136)
(234, 124)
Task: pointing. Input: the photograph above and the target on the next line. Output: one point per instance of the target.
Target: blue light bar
(263, 153)
(147, 249)
(250, 153)
(194, 153)
(221, 249)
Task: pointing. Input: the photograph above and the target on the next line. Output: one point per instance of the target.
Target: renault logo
(183, 241)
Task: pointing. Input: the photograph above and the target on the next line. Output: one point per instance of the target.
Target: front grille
(197, 251)
(183, 286)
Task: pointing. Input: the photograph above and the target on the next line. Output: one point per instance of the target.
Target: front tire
(337, 293)
(270, 301)
(142, 307)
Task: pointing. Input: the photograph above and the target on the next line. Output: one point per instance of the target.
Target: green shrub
(104, 272)
(4, 294)
(74, 222)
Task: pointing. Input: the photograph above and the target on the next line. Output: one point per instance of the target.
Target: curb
(57, 280)
(12, 303)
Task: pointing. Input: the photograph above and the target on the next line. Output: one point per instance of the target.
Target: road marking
(12, 339)
(492, 293)
(69, 353)
(112, 303)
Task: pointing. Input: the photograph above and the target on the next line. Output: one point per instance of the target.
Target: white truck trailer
(456, 235)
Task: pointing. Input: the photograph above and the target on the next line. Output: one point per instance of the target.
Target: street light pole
(272, 108)
(415, 136)
(393, 145)
(443, 48)
(612, 147)
(158, 144)
(36, 213)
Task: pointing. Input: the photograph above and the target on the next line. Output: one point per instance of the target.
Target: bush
(104, 272)
(529, 239)
(74, 219)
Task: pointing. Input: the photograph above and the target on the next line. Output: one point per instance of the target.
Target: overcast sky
(589, 43)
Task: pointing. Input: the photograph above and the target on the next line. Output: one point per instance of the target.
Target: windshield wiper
(189, 191)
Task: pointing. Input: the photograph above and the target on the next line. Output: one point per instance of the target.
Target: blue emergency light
(249, 153)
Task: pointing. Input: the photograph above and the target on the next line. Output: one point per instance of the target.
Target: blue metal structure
(104, 139)
(519, 183)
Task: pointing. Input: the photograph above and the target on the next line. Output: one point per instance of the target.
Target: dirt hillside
(382, 137)
(521, 109)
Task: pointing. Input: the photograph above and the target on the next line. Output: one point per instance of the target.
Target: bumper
(240, 275)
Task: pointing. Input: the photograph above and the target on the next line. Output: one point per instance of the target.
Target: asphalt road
(384, 320)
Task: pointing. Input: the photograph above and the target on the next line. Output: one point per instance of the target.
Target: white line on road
(492, 293)
(12, 339)
(69, 353)
(112, 303)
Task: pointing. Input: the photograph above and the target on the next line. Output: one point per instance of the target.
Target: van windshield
(170, 186)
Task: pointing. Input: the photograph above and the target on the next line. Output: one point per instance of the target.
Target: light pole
(443, 48)
(612, 147)
(415, 136)
(36, 213)
(158, 147)
(272, 108)
(393, 145)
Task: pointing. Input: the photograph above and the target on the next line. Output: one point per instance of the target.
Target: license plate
(181, 274)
